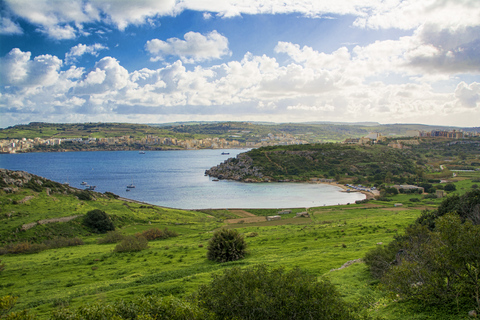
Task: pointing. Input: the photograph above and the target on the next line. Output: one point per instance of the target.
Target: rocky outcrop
(240, 169)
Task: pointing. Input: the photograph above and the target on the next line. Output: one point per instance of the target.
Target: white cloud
(195, 47)
(81, 49)
(310, 86)
(468, 95)
(7, 26)
(16, 69)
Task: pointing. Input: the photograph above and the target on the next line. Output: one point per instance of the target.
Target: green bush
(155, 233)
(131, 243)
(111, 237)
(84, 195)
(261, 292)
(226, 245)
(450, 187)
(98, 221)
(146, 308)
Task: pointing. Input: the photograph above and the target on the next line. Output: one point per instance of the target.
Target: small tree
(226, 245)
(450, 187)
(98, 221)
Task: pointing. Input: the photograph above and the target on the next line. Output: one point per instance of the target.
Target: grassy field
(329, 238)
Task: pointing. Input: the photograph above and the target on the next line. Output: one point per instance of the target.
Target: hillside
(301, 163)
(244, 131)
(327, 243)
(375, 164)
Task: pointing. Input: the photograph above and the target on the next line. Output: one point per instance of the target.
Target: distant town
(375, 137)
(149, 142)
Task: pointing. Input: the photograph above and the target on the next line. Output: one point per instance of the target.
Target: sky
(159, 61)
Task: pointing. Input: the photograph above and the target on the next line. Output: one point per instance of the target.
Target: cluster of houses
(22, 145)
(374, 137)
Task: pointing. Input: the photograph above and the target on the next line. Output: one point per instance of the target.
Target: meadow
(332, 237)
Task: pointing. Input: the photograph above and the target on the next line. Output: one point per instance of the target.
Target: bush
(84, 195)
(152, 307)
(60, 242)
(24, 247)
(155, 233)
(111, 237)
(131, 243)
(450, 187)
(261, 292)
(414, 200)
(98, 221)
(226, 245)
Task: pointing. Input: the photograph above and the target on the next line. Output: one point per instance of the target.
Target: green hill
(326, 244)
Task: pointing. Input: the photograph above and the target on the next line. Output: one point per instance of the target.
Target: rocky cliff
(240, 169)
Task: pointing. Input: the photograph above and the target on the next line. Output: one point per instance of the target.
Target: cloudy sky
(154, 61)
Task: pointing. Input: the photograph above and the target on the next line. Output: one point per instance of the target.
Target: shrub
(155, 233)
(98, 221)
(111, 237)
(131, 243)
(261, 292)
(475, 186)
(414, 200)
(450, 187)
(226, 245)
(24, 247)
(2, 266)
(152, 307)
(84, 195)
(60, 242)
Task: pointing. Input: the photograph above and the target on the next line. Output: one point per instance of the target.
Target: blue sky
(150, 61)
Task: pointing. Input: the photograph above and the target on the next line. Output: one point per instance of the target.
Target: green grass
(177, 266)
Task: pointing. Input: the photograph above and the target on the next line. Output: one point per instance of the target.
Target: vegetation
(437, 261)
(261, 292)
(131, 244)
(226, 245)
(152, 307)
(246, 131)
(98, 221)
(94, 279)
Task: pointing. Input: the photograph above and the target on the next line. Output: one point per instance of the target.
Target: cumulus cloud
(17, 69)
(196, 47)
(81, 49)
(468, 95)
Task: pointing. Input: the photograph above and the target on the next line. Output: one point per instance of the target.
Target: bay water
(172, 179)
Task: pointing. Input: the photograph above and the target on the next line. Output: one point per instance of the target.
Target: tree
(98, 221)
(261, 292)
(226, 245)
(450, 187)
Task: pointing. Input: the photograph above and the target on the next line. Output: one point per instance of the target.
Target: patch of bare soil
(242, 213)
(246, 220)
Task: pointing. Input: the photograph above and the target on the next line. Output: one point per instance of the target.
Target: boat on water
(131, 186)
(83, 183)
(142, 152)
(225, 153)
(90, 188)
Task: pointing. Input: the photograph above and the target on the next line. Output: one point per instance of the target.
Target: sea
(174, 179)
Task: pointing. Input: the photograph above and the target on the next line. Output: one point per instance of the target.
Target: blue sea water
(172, 179)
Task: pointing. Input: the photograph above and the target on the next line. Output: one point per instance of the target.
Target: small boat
(83, 183)
(225, 153)
(130, 186)
(90, 188)
(127, 190)
(142, 152)
(215, 180)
